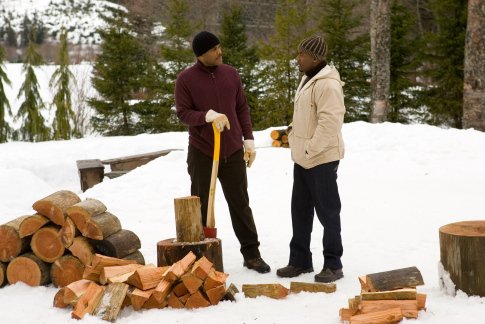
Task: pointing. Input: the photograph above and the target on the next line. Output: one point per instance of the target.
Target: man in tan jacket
(316, 148)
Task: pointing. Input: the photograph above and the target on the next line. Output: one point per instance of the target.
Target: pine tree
(5, 128)
(119, 74)
(237, 53)
(280, 73)
(61, 79)
(338, 21)
(443, 63)
(33, 127)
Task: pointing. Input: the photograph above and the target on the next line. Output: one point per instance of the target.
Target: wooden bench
(91, 172)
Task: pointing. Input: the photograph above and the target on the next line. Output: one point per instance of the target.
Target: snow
(398, 185)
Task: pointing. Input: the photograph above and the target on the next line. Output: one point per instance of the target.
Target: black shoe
(291, 271)
(257, 264)
(329, 275)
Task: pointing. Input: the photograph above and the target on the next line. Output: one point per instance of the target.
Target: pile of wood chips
(112, 283)
(58, 242)
(386, 297)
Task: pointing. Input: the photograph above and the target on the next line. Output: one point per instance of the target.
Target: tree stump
(170, 251)
(188, 219)
(462, 251)
(29, 269)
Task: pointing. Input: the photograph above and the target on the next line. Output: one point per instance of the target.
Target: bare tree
(474, 78)
(380, 34)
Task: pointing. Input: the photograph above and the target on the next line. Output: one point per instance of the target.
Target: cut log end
(29, 269)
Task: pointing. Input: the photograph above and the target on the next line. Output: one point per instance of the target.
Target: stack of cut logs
(386, 297)
(59, 242)
(280, 138)
(113, 283)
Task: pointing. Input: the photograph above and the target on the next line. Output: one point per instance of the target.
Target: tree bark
(275, 291)
(188, 219)
(380, 34)
(29, 269)
(391, 280)
(55, 205)
(46, 244)
(474, 65)
(101, 226)
(119, 244)
(11, 245)
(66, 270)
(81, 212)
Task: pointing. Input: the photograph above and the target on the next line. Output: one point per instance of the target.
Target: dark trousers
(233, 179)
(316, 189)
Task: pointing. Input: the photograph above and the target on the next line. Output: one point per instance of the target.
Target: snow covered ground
(398, 184)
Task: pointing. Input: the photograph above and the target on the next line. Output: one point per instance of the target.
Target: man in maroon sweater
(211, 92)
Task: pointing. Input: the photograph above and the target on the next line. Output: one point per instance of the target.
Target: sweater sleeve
(184, 105)
(242, 111)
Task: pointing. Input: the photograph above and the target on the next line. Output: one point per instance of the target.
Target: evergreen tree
(348, 53)
(33, 128)
(443, 63)
(236, 52)
(62, 99)
(279, 72)
(5, 128)
(119, 74)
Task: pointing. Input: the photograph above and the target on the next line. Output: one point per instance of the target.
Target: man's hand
(220, 120)
(249, 152)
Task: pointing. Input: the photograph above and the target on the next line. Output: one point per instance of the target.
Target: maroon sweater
(200, 88)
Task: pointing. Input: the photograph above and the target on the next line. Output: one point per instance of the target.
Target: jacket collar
(208, 69)
(304, 85)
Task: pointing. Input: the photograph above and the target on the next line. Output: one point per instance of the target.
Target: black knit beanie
(314, 46)
(203, 42)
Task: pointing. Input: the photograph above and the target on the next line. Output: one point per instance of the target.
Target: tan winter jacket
(318, 115)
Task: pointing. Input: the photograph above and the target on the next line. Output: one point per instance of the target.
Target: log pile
(58, 243)
(111, 284)
(386, 297)
(280, 138)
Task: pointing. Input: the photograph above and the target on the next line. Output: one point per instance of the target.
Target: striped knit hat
(314, 46)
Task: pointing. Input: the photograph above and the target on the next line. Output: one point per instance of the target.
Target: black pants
(316, 189)
(233, 179)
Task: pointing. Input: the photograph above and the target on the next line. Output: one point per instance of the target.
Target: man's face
(305, 62)
(212, 57)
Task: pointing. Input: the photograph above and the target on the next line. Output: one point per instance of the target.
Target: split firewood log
(11, 244)
(403, 294)
(3, 274)
(82, 249)
(147, 277)
(162, 290)
(296, 287)
(117, 273)
(275, 291)
(215, 279)
(174, 302)
(100, 226)
(111, 301)
(118, 245)
(65, 270)
(31, 224)
(70, 294)
(197, 300)
(99, 261)
(68, 232)
(177, 270)
(46, 243)
(88, 301)
(55, 205)
(29, 269)
(231, 292)
(179, 289)
(216, 294)
(191, 282)
(409, 308)
(391, 315)
(81, 212)
(138, 297)
(421, 299)
(201, 268)
(152, 302)
(391, 280)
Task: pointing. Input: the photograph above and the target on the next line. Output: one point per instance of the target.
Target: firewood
(409, 308)
(65, 270)
(46, 243)
(59, 299)
(391, 280)
(82, 249)
(88, 301)
(183, 299)
(403, 294)
(201, 268)
(354, 303)
(176, 270)
(296, 287)
(231, 292)
(99, 262)
(275, 291)
(346, 313)
(215, 279)
(29, 269)
(11, 244)
(179, 289)
(276, 134)
(284, 139)
(117, 273)
(174, 302)
(31, 224)
(188, 219)
(276, 143)
(70, 294)
(147, 277)
(152, 302)
(119, 244)
(3, 274)
(191, 282)
(81, 212)
(196, 300)
(101, 226)
(55, 205)
(421, 299)
(215, 294)
(391, 315)
(111, 302)
(136, 256)
(68, 232)
(138, 297)
(162, 290)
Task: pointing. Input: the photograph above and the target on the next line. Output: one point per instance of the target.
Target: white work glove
(249, 152)
(220, 120)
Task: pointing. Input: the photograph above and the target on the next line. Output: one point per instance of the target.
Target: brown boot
(291, 271)
(329, 275)
(257, 264)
